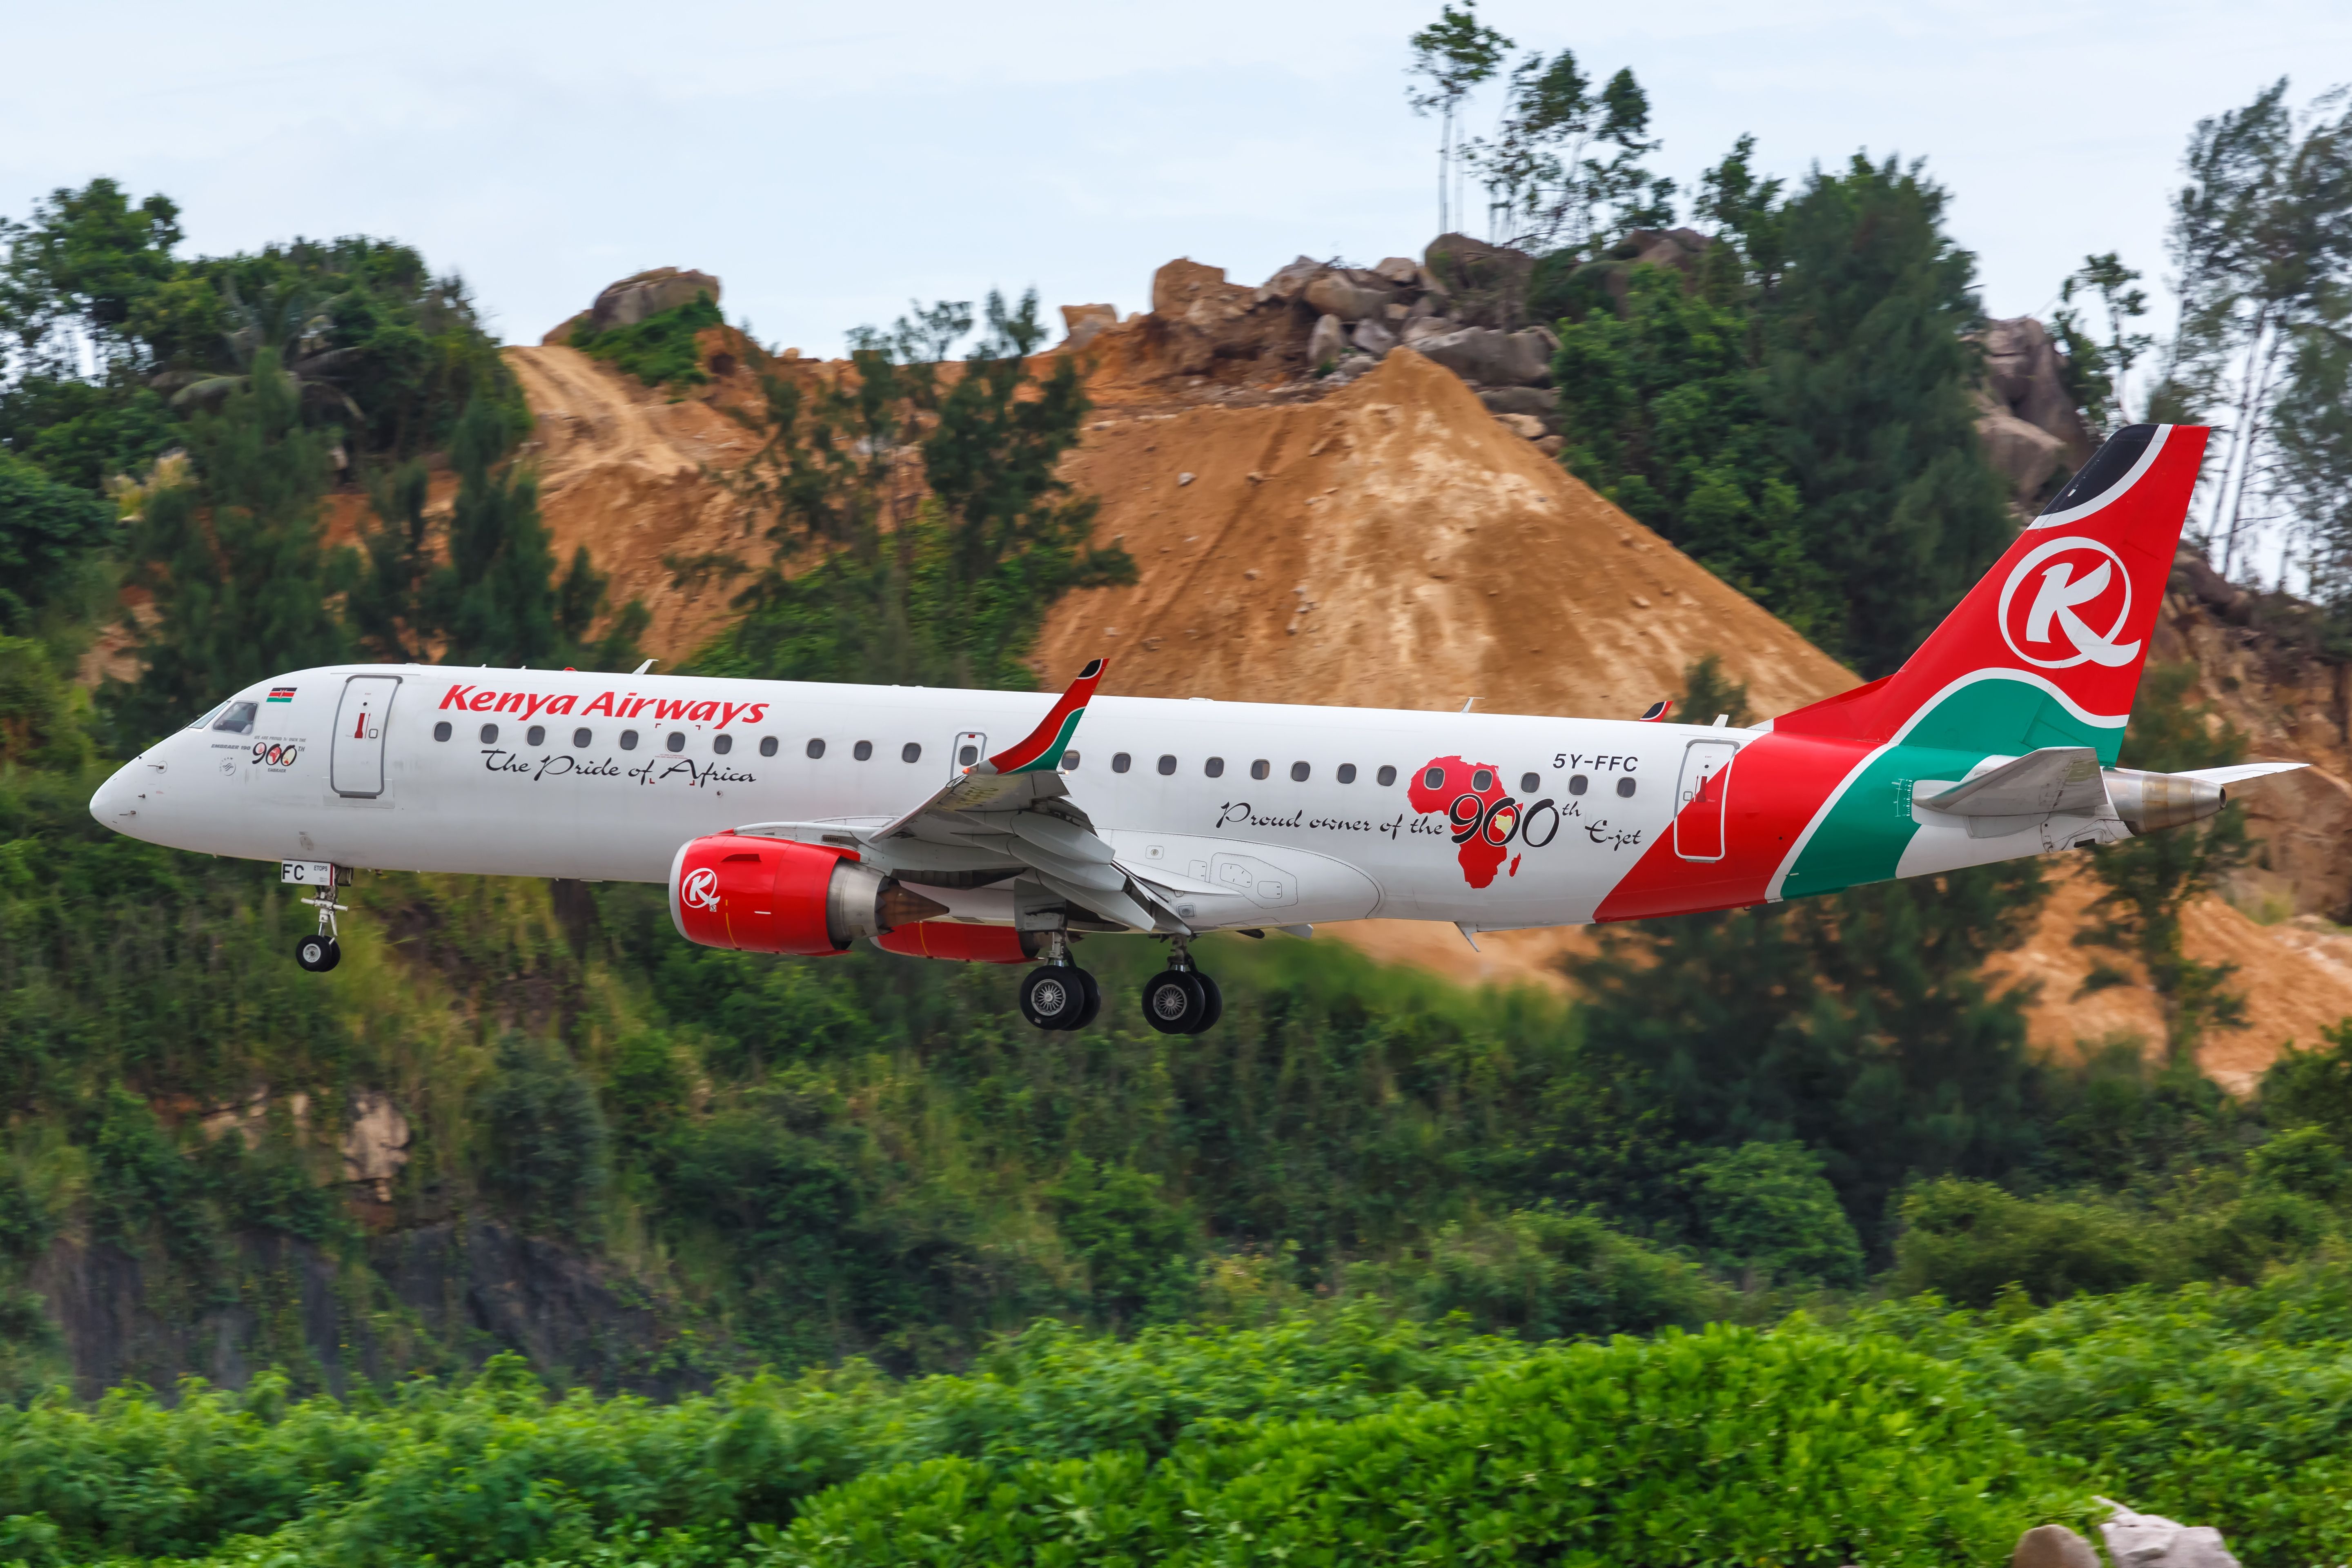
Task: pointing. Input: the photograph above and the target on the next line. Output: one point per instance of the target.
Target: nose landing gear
(320, 953)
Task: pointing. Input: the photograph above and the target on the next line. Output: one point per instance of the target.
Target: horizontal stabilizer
(2242, 771)
(2053, 779)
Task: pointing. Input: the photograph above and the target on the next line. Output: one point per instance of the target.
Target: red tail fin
(2068, 608)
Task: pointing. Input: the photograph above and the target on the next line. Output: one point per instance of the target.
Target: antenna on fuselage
(644, 666)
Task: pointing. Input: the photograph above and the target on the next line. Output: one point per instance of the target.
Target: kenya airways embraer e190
(801, 819)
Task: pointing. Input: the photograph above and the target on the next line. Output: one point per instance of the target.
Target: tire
(318, 954)
(1216, 1005)
(1094, 1000)
(1053, 996)
(1174, 1002)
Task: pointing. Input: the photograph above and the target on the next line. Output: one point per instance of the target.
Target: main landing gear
(1180, 999)
(1059, 994)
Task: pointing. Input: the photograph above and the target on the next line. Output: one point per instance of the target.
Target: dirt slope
(1392, 546)
(623, 470)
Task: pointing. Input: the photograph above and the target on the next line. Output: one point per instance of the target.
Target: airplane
(804, 819)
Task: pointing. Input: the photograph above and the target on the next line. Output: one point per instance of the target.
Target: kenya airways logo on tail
(2079, 587)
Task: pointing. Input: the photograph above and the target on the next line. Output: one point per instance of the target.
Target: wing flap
(2053, 779)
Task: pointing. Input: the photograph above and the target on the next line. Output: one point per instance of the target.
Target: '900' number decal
(275, 754)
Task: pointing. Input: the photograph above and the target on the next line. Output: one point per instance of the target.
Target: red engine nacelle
(770, 895)
(965, 943)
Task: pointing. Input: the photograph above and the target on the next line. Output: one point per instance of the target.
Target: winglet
(1041, 750)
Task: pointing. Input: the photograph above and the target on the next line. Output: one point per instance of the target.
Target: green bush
(659, 350)
(1766, 1208)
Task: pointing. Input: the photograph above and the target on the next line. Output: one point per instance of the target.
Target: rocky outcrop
(2150, 1541)
(2052, 1546)
(1491, 358)
(2026, 417)
(632, 300)
(1082, 324)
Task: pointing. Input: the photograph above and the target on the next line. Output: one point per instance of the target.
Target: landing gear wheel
(318, 954)
(1216, 1006)
(1093, 1003)
(1175, 1002)
(1054, 996)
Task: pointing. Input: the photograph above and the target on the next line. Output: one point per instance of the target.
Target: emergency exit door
(355, 762)
(1699, 799)
(969, 749)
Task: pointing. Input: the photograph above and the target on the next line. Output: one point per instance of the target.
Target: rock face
(1082, 323)
(1328, 343)
(1484, 283)
(1351, 296)
(1491, 358)
(1199, 318)
(2151, 1541)
(632, 300)
(2027, 420)
(2052, 1546)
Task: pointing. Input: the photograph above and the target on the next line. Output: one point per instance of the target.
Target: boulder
(2150, 1541)
(2052, 1546)
(1680, 248)
(632, 300)
(2025, 456)
(1083, 323)
(1327, 345)
(1526, 427)
(1489, 357)
(1533, 400)
(1355, 365)
(1487, 284)
(1198, 317)
(1291, 281)
(1403, 271)
(2023, 371)
(1373, 338)
(1351, 296)
(1198, 296)
(1419, 327)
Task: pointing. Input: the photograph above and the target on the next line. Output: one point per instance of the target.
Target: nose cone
(116, 802)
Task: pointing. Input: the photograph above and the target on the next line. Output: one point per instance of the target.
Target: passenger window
(1260, 768)
(1483, 780)
(1298, 771)
(536, 735)
(911, 753)
(236, 717)
(1120, 762)
(721, 744)
(1347, 772)
(1069, 761)
(1215, 767)
(489, 734)
(628, 739)
(1167, 765)
(1385, 777)
(863, 750)
(815, 749)
(1530, 783)
(677, 740)
(1433, 779)
(1577, 782)
(442, 731)
(767, 745)
(582, 740)
(1626, 787)
(967, 756)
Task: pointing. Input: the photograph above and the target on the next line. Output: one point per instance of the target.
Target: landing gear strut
(1180, 999)
(1059, 994)
(320, 953)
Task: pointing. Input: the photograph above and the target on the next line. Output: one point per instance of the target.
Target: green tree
(1767, 1209)
(1865, 380)
(1134, 1244)
(239, 578)
(1450, 57)
(2098, 368)
(1547, 185)
(48, 531)
(546, 1157)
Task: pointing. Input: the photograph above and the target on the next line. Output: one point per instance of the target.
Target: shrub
(659, 350)
(1542, 1274)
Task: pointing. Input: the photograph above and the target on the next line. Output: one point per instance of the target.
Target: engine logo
(700, 889)
(2083, 585)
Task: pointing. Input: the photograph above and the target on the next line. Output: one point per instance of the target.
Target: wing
(1009, 816)
(2053, 779)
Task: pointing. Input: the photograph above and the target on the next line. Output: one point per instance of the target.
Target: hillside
(1387, 540)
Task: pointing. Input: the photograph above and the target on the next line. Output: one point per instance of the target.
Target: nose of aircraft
(116, 802)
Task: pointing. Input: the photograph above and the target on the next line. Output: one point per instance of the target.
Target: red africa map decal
(1483, 818)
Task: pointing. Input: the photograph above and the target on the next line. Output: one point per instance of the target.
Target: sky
(829, 163)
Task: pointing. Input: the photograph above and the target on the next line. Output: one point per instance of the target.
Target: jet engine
(2150, 802)
(965, 943)
(770, 895)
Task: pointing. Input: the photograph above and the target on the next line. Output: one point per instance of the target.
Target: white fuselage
(556, 774)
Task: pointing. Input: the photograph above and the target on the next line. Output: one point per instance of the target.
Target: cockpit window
(207, 717)
(237, 718)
